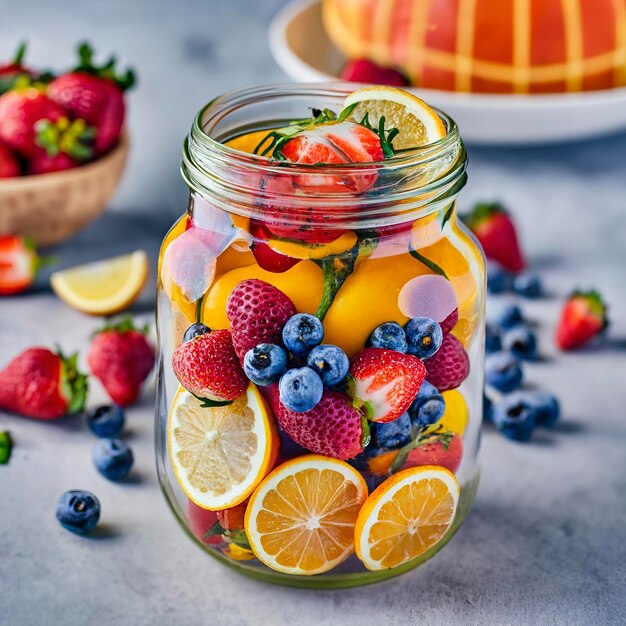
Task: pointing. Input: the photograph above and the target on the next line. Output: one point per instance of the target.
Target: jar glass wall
(357, 245)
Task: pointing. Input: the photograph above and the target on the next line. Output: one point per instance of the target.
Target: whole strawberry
(333, 428)
(19, 264)
(42, 384)
(208, 367)
(121, 357)
(13, 69)
(9, 165)
(384, 382)
(257, 312)
(583, 318)
(449, 366)
(494, 228)
(43, 163)
(94, 94)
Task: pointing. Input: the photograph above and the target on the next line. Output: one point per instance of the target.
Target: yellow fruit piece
(300, 520)
(302, 250)
(247, 142)
(237, 553)
(417, 122)
(220, 454)
(104, 287)
(302, 284)
(231, 259)
(369, 297)
(406, 516)
(456, 415)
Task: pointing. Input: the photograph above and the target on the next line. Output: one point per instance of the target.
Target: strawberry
(43, 163)
(19, 264)
(257, 312)
(41, 384)
(94, 94)
(583, 318)
(366, 71)
(202, 524)
(121, 358)
(9, 165)
(449, 366)
(384, 382)
(11, 71)
(333, 428)
(268, 259)
(20, 110)
(208, 367)
(495, 230)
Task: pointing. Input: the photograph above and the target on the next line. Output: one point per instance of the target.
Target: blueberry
(428, 406)
(78, 511)
(300, 389)
(112, 458)
(390, 336)
(392, 434)
(520, 341)
(194, 331)
(330, 363)
(528, 284)
(424, 337)
(264, 364)
(493, 342)
(499, 280)
(514, 416)
(302, 332)
(106, 421)
(503, 371)
(508, 316)
(546, 406)
(487, 408)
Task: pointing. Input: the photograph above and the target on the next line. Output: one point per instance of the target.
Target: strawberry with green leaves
(583, 317)
(14, 69)
(495, 230)
(19, 264)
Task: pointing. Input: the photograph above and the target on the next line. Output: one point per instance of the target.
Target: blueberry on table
(330, 362)
(264, 364)
(428, 406)
(528, 284)
(393, 434)
(300, 389)
(78, 511)
(499, 280)
(487, 408)
(302, 332)
(424, 337)
(508, 316)
(493, 342)
(514, 416)
(520, 341)
(106, 421)
(547, 408)
(112, 458)
(503, 371)
(194, 331)
(389, 336)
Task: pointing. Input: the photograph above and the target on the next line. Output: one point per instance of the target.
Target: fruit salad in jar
(321, 330)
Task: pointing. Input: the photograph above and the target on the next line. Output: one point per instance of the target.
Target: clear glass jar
(386, 237)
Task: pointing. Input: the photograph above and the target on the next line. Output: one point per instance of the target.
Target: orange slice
(406, 516)
(221, 453)
(418, 123)
(300, 520)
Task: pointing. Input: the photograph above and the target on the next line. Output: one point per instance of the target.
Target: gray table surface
(545, 543)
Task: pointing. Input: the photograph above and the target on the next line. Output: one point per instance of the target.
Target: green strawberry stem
(108, 70)
(72, 138)
(208, 403)
(366, 433)
(421, 437)
(122, 324)
(5, 447)
(216, 529)
(20, 53)
(238, 537)
(481, 212)
(336, 269)
(431, 265)
(73, 383)
(594, 301)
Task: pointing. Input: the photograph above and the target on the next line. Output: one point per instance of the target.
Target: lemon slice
(221, 453)
(104, 287)
(300, 520)
(407, 515)
(418, 124)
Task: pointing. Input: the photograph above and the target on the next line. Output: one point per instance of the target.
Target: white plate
(301, 48)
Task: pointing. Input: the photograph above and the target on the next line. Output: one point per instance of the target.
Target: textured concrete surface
(545, 543)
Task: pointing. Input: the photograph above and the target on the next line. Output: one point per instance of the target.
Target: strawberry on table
(495, 230)
(9, 164)
(583, 318)
(384, 382)
(207, 366)
(42, 384)
(19, 264)
(121, 357)
(96, 95)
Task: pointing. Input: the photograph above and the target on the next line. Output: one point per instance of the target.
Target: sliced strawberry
(366, 71)
(495, 230)
(583, 318)
(268, 259)
(385, 382)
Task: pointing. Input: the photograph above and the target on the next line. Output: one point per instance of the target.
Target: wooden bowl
(50, 208)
